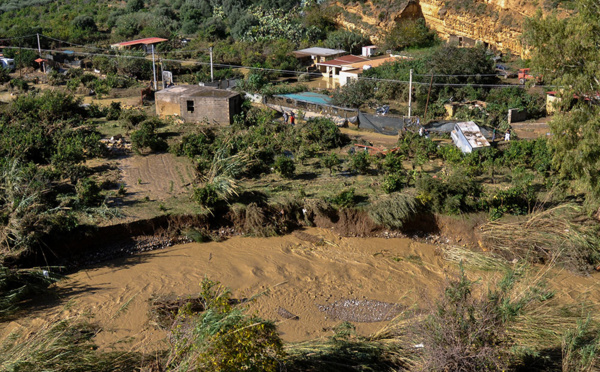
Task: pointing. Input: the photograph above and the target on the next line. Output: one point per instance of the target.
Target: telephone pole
(211, 65)
(410, 93)
(154, 68)
(39, 47)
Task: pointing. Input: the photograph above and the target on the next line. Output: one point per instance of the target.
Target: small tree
(88, 192)
(331, 161)
(146, 137)
(360, 162)
(284, 166)
(354, 94)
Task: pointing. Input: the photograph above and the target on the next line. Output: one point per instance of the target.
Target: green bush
(455, 194)
(222, 338)
(195, 145)
(146, 137)
(206, 196)
(4, 75)
(284, 166)
(360, 162)
(331, 161)
(517, 200)
(114, 111)
(132, 117)
(392, 163)
(393, 182)
(345, 199)
(322, 131)
(88, 192)
(19, 84)
(96, 111)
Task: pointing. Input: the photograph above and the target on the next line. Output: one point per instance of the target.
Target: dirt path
(156, 176)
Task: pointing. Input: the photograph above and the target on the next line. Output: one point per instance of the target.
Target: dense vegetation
(547, 188)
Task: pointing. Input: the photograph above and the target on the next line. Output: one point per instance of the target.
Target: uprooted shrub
(468, 332)
(223, 337)
(562, 234)
(66, 346)
(20, 285)
(395, 211)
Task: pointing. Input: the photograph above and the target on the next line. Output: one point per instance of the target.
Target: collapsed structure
(468, 137)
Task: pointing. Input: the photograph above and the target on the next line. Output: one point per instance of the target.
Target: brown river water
(308, 280)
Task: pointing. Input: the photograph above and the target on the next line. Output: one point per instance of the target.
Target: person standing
(507, 135)
(292, 118)
(285, 117)
(493, 134)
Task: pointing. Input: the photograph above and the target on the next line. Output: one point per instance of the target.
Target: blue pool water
(310, 97)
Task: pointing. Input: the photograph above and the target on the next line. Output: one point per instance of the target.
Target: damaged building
(196, 104)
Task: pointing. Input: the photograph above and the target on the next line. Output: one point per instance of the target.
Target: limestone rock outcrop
(495, 23)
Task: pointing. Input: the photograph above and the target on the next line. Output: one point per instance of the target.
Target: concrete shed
(195, 104)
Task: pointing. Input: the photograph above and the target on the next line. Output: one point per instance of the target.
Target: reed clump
(563, 233)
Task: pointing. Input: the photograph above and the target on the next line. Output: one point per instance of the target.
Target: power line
(295, 72)
(78, 45)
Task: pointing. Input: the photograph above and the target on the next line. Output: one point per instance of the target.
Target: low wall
(346, 113)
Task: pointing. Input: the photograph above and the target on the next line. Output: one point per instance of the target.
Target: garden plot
(156, 176)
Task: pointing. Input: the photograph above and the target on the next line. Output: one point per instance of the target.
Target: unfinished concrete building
(196, 104)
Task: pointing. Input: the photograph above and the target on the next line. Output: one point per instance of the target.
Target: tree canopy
(565, 51)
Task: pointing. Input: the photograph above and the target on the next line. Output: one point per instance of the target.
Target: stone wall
(214, 110)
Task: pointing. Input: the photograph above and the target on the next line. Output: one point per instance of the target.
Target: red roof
(40, 60)
(146, 41)
(345, 60)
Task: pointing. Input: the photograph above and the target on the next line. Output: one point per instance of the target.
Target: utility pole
(39, 48)
(410, 93)
(211, 65)
(154, 68)
(428, 95)
(162, 76)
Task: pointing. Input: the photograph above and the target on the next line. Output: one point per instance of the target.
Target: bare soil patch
(156, 176)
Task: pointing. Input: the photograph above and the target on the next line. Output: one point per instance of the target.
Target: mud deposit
(307, 288)
(292, 274)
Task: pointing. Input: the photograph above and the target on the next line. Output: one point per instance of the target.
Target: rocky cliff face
(496, 23)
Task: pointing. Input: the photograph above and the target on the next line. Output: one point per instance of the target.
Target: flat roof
(318, 51)
(146, 41)
(473, 134)
(197, 91)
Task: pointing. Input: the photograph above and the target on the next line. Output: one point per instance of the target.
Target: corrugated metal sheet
(146, 41)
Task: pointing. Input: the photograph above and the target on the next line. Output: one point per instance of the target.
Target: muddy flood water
(315, 282)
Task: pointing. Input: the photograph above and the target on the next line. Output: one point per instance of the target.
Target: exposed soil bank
(89, 245)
